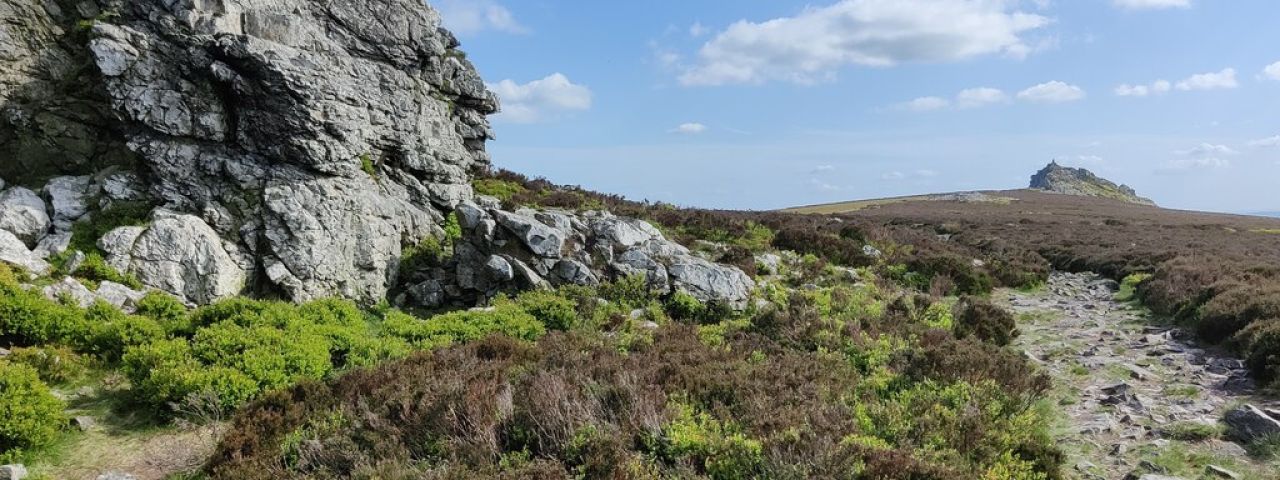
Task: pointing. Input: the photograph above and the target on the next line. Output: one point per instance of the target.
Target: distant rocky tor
(1078, 181)
(292, 148)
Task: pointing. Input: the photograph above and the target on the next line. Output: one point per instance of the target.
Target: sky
(763, 104)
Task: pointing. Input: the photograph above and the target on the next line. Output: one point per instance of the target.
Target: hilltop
(1078, 181)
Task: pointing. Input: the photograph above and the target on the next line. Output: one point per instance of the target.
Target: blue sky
(756, 104)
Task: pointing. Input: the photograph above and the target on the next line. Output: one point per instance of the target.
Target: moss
(367, 165)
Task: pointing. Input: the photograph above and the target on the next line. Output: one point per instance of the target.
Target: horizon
(719, 106)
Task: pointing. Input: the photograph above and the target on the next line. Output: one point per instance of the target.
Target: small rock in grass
(13, 472)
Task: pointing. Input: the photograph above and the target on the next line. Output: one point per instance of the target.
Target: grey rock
(1219, 472)
(427, 294)
(4, 352)
(53, 244)
(14, 251)
(769, 263)
(624, 233)
(708, 281)
(68, 197)
(574, 272)
(1055, 178)
(499, 269)
(122, 186)
(1248, 423)
(118, 295)
(70, 289)
(179, 254)
(637, 262)
(82, 423)
(544, 241)
(74, 262)
(871, 251)
(13, 472)
(24, 214)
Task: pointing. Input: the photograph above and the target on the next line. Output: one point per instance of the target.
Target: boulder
(541, 239)
(71, 290)
(13, 472)
(13, 251)
(710, 282)
(24, 214)
(69, 198)
(1249, 423)
(179, 254)
(118, 295)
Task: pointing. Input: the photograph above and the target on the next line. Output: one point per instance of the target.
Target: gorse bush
(30, 416)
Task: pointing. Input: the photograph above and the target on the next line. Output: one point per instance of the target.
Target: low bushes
(30, 416)
(981, 319)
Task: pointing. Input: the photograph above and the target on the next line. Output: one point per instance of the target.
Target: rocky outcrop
(314, 138)
(502, 250)
(1078, 181)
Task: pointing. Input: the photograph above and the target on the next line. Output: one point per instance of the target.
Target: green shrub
(630, 292)
(683, 306)
(465, 326)
(165, 309)
(984, 320)
(501, 189)
(1260, 344)
(165, 372)
(271, 357)
(113, 331)
(34, 319)
(30, 416)
(54, 364)
(718, 449)
(94, 270)
(552, 309)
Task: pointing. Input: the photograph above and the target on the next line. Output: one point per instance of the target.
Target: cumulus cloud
(1266, 142)
(812, 45)
(467, 17)
(1206, 150)
(1210, 81)
(1184, 164)
(698, 30)
(1052, 92)
(1151, 4)
(1272, 71)
(980, 97)
(925, 104)
(690, 128)
(1158, 87)
(540, 99)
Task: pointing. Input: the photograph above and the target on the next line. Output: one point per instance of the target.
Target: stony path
(1135, 395)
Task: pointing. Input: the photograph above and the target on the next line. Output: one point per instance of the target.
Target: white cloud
(1159, 87)
(1183, 164)
(698, 30)
(1266, 142)
(466, 17)
(979, 97)
(1205, 150)
(1151, 4)
(925, 104)
(690, 128)
(1052, 92)
(1210, 81)
(1272, 71)
(537, 100)
(812, 45)
(823, 169)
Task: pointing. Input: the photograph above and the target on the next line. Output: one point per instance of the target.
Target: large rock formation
(288, 147)
(315, 138)
(1078, 181)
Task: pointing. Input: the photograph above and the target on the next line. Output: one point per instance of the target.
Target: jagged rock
(871, 251)
(1249, 423)
(769, 264)
(74, 262)
(544, 241)
(53, 244)
(68, 196)
(13, 472)
(118, 295)
(316, 138)
(71, 289)
(1219, 472)
(24, 214)
(179, 254)
(13, 251)
(551, 248)
(709, 282)
(1078, 181)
